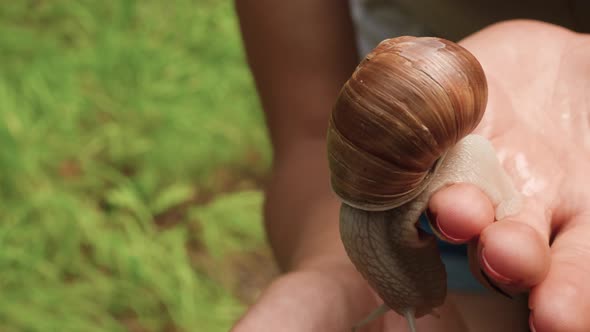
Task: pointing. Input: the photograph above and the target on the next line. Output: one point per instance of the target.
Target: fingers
(332, 299)
(312, 300)
(460, 212)
(562, 301)
(513, 253)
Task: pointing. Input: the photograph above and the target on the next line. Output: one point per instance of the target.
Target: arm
(300, 54)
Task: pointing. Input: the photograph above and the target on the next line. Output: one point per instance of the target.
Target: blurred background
(133, 153)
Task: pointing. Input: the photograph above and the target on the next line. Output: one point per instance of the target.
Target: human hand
(330, 297)
(536, 121)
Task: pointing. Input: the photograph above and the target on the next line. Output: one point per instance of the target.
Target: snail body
(400, 130)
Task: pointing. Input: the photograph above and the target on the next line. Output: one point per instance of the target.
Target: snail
(402, 128)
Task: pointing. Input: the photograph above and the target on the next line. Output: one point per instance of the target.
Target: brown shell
(406, 104)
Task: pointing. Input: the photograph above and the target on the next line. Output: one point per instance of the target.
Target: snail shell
(406, 104)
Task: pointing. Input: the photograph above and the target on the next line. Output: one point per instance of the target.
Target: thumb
(331, 298)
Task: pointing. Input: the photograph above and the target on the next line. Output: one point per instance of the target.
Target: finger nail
(491, 272)
(491, 276)
(442, 232)
(531, 324)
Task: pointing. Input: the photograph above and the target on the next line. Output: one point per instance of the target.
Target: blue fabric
(454, 257)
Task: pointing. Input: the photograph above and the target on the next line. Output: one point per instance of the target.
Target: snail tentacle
(378, 312)
(409, 315)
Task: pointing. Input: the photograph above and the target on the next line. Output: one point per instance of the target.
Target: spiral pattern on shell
(405, 105)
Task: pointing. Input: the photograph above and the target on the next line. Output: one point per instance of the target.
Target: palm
(537, 113)
(539, 122)
(537, 118)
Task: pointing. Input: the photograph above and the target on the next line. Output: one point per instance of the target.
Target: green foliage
(230, 230)
(114, 114)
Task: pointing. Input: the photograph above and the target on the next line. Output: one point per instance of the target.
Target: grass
(132, 153)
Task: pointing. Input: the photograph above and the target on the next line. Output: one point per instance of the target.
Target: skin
(303, 53)
(385, 245)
